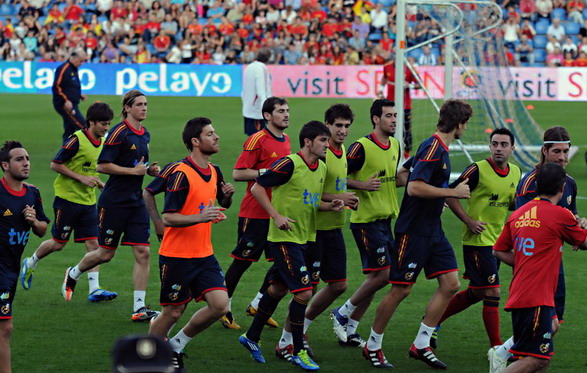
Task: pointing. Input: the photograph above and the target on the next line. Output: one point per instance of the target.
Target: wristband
(262, 171)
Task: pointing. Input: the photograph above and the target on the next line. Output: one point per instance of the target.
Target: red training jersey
(389, 72)
(536, 232)
(260, 150)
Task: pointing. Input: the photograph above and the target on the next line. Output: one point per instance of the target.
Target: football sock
(234, 274)
(94, 281)
(423, 337)
(347, 308)
(461, 301)
(139, 296)
(503, 351)
(307, 323)
(286, 339)
(267, 306)
(32, 261)
(75, 273)
(374, 342)
(229, 304)
(255, 301)
(178, 342)
(351, 327)
(297, 311)
(266, 282)
(491, 319)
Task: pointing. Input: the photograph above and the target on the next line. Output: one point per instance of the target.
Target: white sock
(178, 342)
(503, 351)
(286, 339)
(351, 327)
(75, 273)
(94, 280)
(375, 341)
(255, 302)
(423, 337)
(32, 261)
(307, 323)
(229, 304)
(347, 308)
(139, 296)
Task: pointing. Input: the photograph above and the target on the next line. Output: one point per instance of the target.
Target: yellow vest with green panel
(490, 202)
(382, 203)
(335, 183)
(84, 163)
(298, 199)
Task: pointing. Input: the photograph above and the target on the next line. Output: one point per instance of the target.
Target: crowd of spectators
(322, 32)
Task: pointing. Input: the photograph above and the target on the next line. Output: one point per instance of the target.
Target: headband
(558, 142)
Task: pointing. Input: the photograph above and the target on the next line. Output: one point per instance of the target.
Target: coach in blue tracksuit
(67, 93)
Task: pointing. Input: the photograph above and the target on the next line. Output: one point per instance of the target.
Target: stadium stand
(231, 31)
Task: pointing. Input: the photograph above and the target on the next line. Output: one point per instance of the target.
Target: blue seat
(387, 3)
(6, 9)
(585, 13)
(375, 36)
(572, 28)
(542, 26)
(539, 55)
(416, 53)
(540, 41)
(560, 13)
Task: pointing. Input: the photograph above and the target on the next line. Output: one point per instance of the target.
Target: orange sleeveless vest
(193, 241)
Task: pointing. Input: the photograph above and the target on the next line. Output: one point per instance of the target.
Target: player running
(75, 198)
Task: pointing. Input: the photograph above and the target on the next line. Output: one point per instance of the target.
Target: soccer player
(188, 268)
(260, 151)
(326, 257)
(67, 93)
(532, 242)
(156, 186)
(372, 168)
(410, 82)
(420, 242)
(297, 182)
(22, 210)
(75, 197)
(492, 183)
(121, 209)
(555, 149)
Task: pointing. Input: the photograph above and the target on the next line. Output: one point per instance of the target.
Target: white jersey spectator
(256, 88)
(556, 29)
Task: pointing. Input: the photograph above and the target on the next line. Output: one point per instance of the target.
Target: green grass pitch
(52, 335)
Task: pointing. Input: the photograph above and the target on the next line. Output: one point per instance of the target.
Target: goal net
(476, 68)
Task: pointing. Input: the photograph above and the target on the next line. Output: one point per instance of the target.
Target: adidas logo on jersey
(512, 185)
(7, 213)
(494, 197)
(133, 147)
(273, 155)
(529, 219)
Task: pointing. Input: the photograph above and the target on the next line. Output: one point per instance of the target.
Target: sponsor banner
(528, 83)
(115, 79)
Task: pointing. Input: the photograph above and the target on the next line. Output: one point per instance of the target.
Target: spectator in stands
(174, 55)
(511, 30)
(568, 59)
(527, 29)
(361, 27)
(162, 44)
(104, 7)
(555, 58)
(72, 12)
(569, 46)
(427, 58)
(291, 55)
(288, 15)
(583, 29)
(55, 15)
(143, 55)
(109, 53)
(528, 9)
(552, 44)
(544, 8)
(581, 61)
(378, 17)
(556, 29)
(357, 42)
(575, 10)
(524, 51)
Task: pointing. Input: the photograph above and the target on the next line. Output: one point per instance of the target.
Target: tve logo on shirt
(311, 198)
(525, 245)
(20, 238)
